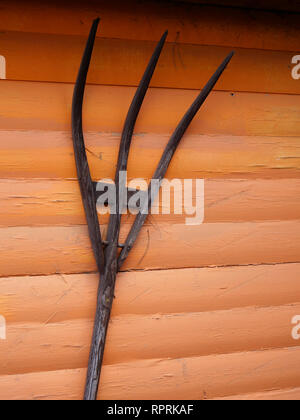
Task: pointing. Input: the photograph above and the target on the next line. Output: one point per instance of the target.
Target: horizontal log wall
(46, 106)
(188, 378)
(201, 312)
(68, 250)
(62, 297)
(188, 24)
(50, 345)
(49, 155)
(186, 65)
(226, 200)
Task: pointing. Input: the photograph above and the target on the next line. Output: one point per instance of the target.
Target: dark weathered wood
(107, 283)
(108, 262)
(167, 157)
(84, 176)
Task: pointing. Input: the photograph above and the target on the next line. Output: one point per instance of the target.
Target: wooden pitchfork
(109, 260)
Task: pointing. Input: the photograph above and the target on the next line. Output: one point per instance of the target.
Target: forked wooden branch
(108, 270)
(108, 261)
(167, 157)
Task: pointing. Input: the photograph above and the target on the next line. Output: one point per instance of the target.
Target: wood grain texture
(46, 106)
(276, 395)
(49, 154)
(199, 378)
(67, 249)
(59, 298)
(53, 346)
(187, 23)
(58, 203)
(181, 66)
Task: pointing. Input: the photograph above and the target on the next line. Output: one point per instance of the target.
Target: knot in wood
(106, 298)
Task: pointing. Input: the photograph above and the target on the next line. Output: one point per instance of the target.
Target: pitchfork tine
(84, 176)
(168, 154)
(114, 220)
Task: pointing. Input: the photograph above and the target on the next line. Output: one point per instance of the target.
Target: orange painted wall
(201, 312)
